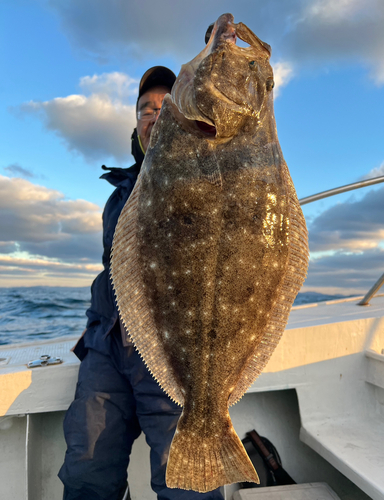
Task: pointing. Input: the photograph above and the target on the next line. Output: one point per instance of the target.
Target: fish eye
(270, 84)
(251, 64)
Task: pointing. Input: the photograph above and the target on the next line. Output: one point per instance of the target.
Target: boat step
(375, 370)
(308, 491)
(354, 446)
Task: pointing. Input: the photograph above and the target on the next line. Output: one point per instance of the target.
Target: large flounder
(211, 250)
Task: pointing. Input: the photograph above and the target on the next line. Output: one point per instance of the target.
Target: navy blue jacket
(103, 315)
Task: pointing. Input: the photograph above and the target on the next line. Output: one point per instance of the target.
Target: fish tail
(203, 463)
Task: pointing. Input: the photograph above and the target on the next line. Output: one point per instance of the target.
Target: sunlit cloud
(34, 213)
(97, 127)
(39, 270)
(283, 73)
(352, 226)
(347, 245)
(115, 85)
(42, 233)
(23, 260)
(345, 273)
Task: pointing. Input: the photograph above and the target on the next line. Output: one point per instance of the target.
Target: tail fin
(203, 464)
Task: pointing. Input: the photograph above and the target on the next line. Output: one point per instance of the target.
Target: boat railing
(371, 292)
(343, 189)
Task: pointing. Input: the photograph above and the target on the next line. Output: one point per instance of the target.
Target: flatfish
(211, 250)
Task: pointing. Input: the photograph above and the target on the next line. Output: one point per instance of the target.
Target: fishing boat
(320, 400)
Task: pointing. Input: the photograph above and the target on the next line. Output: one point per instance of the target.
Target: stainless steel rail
(341, 189)
(344, 189)
(376, 287)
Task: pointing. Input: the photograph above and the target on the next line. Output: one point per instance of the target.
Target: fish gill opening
(207, 129)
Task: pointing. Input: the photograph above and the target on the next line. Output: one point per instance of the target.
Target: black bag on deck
(266, 461)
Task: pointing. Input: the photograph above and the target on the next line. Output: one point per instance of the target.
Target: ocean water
(42, 313)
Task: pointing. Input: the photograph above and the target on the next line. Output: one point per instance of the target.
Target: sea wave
(36, 313)
(31, 313)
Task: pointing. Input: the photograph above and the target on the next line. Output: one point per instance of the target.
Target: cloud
(375, 172)
(352, 226)
(16, 169)
(346, 244)
(96, 126)
(100, 124)
(117, 86)
(39, 223)
(47, 239)
(345, 273)
(300, 31)
(102, 28)
(334, 12)
(16, 270)
(283, 72)
(349, 30)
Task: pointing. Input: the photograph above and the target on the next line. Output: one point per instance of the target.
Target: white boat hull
(320, 401)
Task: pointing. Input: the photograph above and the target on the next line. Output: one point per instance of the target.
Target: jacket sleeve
(102, 314)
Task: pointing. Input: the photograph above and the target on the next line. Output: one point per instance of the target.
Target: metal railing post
(371, 292)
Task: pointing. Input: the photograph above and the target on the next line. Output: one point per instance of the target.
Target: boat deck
(335, 311)
(330, 355)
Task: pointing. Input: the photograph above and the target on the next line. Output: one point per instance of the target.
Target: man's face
(149, 102)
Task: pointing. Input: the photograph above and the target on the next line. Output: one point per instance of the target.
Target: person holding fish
(116, 396)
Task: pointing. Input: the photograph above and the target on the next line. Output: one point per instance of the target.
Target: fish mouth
(206, 128)
(186, 90)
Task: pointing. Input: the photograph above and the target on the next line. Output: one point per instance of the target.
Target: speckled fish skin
(211, 250)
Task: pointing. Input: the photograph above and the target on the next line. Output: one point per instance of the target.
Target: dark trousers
(117, 398)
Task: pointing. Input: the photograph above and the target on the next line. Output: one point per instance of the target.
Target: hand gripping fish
(211, 250)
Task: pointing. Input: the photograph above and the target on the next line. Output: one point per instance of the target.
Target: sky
(70, 71)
